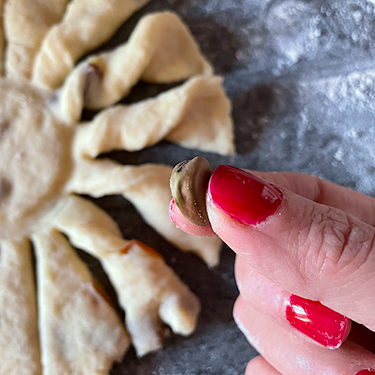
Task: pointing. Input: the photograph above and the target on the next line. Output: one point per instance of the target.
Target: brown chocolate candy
(189, 182)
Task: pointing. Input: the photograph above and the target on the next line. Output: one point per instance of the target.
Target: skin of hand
(305, 269)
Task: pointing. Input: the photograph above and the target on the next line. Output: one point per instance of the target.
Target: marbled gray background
(301, 77)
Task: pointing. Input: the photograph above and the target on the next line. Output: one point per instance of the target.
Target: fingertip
(185, 225)
(235, 234)
(320, 323)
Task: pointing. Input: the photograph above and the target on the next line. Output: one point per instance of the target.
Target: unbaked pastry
(18, 312)
(46, 158)
(79, 330)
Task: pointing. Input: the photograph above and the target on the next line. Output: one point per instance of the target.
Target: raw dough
(46, 157)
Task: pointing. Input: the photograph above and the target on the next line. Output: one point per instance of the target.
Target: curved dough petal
(86, 25)
(149, 291)
(88, 226)
(26, 24)
(160, 49)
(80, 331)
(19, 341)
(147, 187)
(196, 114)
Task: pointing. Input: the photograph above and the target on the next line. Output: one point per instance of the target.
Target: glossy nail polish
(366, 372)
(242, 195)
(325, 326)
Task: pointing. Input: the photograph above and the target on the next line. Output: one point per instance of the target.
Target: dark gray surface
(301, 76)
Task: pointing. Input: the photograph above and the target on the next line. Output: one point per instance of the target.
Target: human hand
(298, 239)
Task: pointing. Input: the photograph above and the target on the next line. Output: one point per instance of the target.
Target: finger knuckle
(342, 243)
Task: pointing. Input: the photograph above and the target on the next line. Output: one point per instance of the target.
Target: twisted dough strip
(26, 24)
(86, 25)
(160, 49)
(147, 188)
(148, 290)
(199, 106)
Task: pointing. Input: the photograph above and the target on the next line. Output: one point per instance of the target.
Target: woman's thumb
(312, 250)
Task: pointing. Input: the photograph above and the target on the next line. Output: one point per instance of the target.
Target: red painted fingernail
(242, 195)
(325, 326)
(366, 372)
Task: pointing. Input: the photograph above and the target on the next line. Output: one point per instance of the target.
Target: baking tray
(301, 78)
